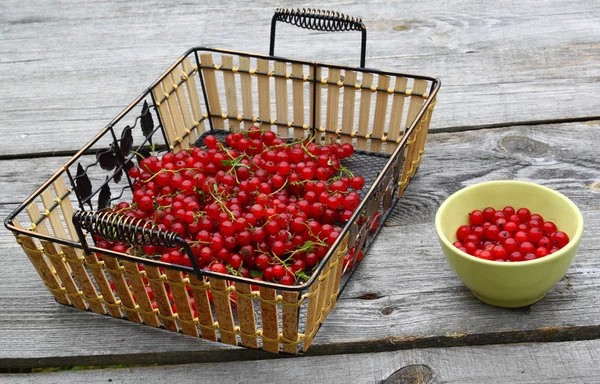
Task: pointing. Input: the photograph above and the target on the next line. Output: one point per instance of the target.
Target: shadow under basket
(385, 115)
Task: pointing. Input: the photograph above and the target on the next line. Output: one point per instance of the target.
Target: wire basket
(385, 115)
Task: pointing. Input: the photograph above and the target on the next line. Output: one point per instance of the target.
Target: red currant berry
(537, 217)
(218, 267)
(488, 214)
(559, 239)
(545, 242)
(210, 141)
(541, 252)
(510, 245)
(462, 232)
(357, 183)
(535, 235)
(521, 237)
(508, 211)
(471, 248)
(548, 228)
(523, 214)
(492, 232)
(486, 255)
(511, 227)
(457, 244)
(526, 247)
(478, 231)
(499, 253)
(503, 235)
(476, 218)
(515, 256)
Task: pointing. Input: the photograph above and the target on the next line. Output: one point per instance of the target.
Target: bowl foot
(510, 303)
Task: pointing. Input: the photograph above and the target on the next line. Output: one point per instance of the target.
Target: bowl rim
(573, 242)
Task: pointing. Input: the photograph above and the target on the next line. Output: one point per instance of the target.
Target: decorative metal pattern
(117, 158)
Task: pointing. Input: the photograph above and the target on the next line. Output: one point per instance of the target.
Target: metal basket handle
(319, 20)
(116, 227)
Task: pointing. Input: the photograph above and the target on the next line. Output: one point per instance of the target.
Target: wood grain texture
(557, 363)
(403, 295)
(72, 69)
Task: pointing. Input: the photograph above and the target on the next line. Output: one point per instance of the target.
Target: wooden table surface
(518, 101)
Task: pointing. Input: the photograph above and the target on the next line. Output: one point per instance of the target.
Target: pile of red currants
(508, 236)
(255, 206)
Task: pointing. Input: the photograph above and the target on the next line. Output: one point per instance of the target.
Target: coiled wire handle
(126, 229)
(319, 20)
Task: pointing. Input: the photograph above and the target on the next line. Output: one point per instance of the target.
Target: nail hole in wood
(524, 146)
(401, 27)
(369, 296)
(387, 310)
(411, 374)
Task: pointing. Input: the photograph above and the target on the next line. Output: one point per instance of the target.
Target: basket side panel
(348, 107)
(281, 100)
(94, 265)
(412, 153)
(289, 321)
(270, 321)
(396, 113)
(182, 140)
(298, 100)
(315, 304)
(73, 256)
(246, 315)
(222, 301)
(264, 94)
(212, 90)
(134, 276)
(246, 91)
(316, 95)
(165, 312)
(380, 114)
(364, 111)
(116, 272)
(188, 75)
(46, 272)
(230, 94)
(56, 258)
(182, 302)
(337, 270)
(333, 100)
(205, 317)
(159, 95)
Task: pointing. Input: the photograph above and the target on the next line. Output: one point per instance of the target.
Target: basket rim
(435, 86)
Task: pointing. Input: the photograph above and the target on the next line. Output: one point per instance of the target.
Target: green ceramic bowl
(518, 284)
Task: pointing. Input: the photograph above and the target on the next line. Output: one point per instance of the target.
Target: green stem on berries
(233, 271)
(283, 263)
(134, 205)
(221, 203)
(283, 186)
(302, 275)
(196, 242)
(138, 154)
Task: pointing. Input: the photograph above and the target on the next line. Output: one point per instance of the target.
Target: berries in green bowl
(491, 274)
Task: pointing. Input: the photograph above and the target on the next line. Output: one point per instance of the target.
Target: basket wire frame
(194, 97)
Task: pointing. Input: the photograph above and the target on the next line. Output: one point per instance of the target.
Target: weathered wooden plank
(404, 292)
(570, 362)
(499, 62)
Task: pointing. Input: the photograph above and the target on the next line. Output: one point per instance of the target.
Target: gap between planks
(452, 129)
